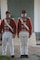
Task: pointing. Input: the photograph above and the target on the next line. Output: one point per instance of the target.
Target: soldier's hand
(18, 36)
(13, 35)
(29, 36)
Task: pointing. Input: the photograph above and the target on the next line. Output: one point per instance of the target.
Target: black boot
(22, 56)
(26, 56)
(12, 56)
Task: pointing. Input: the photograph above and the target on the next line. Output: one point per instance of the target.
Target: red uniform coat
(28, 23)
(12, 24)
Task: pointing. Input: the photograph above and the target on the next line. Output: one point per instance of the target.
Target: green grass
(38, 55)
(4, 58)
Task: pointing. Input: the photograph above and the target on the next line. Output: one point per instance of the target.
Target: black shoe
(22, 56)
(12, 56)
(26, 56)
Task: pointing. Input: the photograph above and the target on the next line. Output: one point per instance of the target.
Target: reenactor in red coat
(24, 31)
(8, 29)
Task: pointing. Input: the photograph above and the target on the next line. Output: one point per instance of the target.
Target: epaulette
(29, 18)
(19, 18)
(13, 18)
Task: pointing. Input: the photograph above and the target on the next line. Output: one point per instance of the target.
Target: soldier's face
(8, 15)
(24, 15)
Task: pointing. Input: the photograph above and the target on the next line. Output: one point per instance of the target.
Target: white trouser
(7, 37)
(23, 35)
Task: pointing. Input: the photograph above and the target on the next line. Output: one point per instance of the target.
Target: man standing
(24, 31)
(8, 29)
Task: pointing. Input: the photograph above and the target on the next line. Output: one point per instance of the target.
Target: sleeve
(0, 33)
(30, 27)
(14, 26)
(17, 30)
(2, 24)
(18, 27)
(0, 28)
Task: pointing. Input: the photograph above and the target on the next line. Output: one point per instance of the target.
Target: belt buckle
(23, 36)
